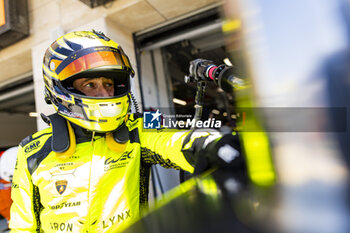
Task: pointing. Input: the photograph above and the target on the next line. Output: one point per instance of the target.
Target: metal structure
(95, 3)
(15, 21)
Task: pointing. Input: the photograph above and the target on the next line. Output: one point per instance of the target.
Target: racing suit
(96, 187)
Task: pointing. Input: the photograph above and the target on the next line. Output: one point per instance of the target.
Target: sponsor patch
(32, 146)
(61, 186)
(122, 161)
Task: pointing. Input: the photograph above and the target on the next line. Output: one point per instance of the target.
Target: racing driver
(89, 170)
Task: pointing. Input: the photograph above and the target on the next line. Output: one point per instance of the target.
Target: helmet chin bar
(98, 115)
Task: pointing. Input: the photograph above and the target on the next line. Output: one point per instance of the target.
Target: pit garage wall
(156, 93)
(23, 124)
(49, 18)
(118, 34)
(156, 87)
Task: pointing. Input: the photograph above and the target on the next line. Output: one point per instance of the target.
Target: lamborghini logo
(61, 186)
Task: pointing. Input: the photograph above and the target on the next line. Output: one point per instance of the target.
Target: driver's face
(95, 87)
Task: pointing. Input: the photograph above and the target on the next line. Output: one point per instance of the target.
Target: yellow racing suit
(94, 188)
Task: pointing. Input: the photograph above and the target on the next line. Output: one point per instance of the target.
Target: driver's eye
(90, 85)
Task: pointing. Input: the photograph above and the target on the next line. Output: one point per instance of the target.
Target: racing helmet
(7, 163)
(85, 54)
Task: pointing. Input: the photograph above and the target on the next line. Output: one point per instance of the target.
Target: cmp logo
(61, 186)
(151, 120)
(32, 146)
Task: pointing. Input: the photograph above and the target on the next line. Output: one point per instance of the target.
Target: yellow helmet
(87, 54)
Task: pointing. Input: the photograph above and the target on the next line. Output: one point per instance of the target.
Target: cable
(133, 99)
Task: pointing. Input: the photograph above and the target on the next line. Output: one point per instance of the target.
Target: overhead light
(178, 101)
(33, 114)
(225, 114)
(227, 61)
(215, 111)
